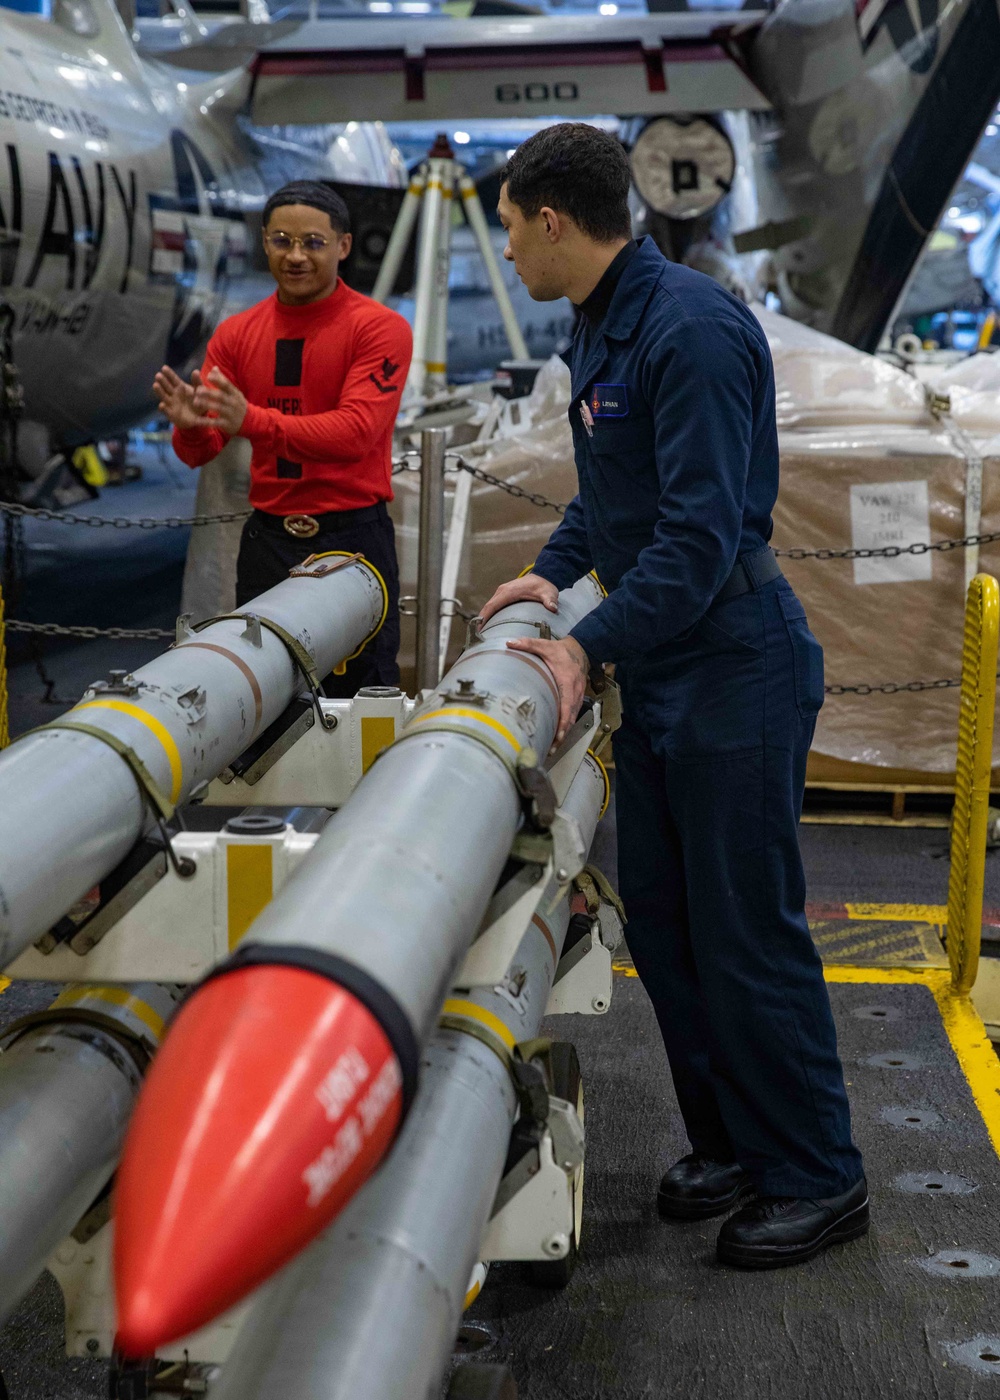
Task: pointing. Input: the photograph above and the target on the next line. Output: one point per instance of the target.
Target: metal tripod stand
(431, 192)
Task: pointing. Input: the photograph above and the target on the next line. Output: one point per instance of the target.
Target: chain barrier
(892, 551)
(400, 465)
(14, 513)
(15, 510)
(121, 522)
(518, 492)
(892, 687)
(118, 634)
(456, 460)
(55, 629)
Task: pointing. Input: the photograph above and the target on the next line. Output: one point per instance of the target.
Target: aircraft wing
(507, 66)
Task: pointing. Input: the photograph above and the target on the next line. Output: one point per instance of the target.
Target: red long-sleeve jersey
(323, 382)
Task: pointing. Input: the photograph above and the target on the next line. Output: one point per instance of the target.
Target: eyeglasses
(284, 242)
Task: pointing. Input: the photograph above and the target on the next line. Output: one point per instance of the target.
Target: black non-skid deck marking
(649, 1312)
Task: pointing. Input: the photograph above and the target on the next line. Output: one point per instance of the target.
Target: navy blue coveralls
(676, 448)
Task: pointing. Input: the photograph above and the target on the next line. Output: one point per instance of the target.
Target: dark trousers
(267, 552)
(710, 773)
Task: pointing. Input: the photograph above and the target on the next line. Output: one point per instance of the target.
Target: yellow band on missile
(470, 1011)
(341, 666)
(115, 996)
(607, 782)
(454, 712)
(158, 730)
(433, 367)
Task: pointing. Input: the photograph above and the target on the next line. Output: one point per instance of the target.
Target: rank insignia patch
(609, 401)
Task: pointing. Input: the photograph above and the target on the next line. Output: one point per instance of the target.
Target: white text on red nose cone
(336, 1091)
(342, 1083)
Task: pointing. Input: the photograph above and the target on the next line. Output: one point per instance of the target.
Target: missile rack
(172, 910)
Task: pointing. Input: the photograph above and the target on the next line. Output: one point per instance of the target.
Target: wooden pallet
(877, 804)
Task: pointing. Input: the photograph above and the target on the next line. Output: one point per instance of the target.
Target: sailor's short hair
(317, 195)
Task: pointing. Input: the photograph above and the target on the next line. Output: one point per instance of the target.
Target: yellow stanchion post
(972, 779)
(4, 723)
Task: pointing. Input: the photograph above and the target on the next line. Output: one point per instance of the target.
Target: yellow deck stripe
(472, 1012)
(976, 1057)
(4, 984)
(899, 913)
(114, 996)
(902, 937)
(454, 712)
(966, 1032)
(154, 726)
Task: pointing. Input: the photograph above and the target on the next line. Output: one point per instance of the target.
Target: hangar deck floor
(912, 1310)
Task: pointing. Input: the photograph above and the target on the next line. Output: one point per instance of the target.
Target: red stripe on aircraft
(309, 63)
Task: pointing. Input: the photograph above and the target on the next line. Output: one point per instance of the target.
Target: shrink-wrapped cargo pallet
(864, 461)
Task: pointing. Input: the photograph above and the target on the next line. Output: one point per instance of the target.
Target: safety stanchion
(4, 720)
(972, 779)
(430, 547)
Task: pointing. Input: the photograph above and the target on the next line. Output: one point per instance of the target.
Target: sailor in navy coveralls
(673, 421)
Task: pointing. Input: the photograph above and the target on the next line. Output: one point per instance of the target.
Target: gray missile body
(439, 811)
(370, 1311)
(70, 806)
(68, 1080)
(348, 967)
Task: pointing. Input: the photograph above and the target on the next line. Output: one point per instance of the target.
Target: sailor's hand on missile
(531, 588)
(176, 399)
(220, 403)
(570, 668)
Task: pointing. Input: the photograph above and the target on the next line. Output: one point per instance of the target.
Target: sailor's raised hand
(176, 399)
(220, 403)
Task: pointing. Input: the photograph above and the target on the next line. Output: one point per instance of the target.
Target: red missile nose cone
(274, 1097)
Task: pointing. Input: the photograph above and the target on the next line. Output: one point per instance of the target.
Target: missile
(69, 1077)
(286, 1075)
(157, 736)
(405, 1246)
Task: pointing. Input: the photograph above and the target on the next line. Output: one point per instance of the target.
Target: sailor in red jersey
(312, 377)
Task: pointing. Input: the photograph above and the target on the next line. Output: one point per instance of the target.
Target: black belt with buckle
(302, 526)
(749, 573)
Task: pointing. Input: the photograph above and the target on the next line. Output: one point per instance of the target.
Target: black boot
(695, 1188)
(778, 1230)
